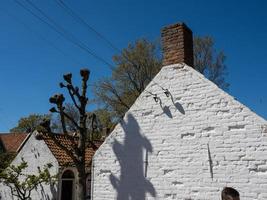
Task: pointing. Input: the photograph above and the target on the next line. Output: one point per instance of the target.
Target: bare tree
(84, 133)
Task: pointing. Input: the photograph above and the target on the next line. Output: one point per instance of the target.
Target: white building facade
(191, 142)
(39, 150)
(36, 154)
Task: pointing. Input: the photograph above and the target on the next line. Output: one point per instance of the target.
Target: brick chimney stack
(177, 43)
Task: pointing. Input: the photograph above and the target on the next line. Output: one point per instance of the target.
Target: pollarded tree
(73, 113)
(103, 119)
(84, 132)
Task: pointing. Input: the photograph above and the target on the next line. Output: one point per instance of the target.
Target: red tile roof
(62, 157)
(12, 141)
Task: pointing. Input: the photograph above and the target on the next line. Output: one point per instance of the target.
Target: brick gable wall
(189, 146)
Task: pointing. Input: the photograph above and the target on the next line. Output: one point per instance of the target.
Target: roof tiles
(12, 141)
(62, 157)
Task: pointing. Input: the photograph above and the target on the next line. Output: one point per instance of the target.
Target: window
(230, 193)
(67, 185)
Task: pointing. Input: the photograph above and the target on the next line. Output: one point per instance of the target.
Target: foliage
(5, 160)
(73, 117)
(104, 124)
(21, 184)
(208, 62)
(73, 112)
(29, 123)
(104, 119)
(137, 65)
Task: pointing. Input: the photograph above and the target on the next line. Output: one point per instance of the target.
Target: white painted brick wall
(177, 145)
(36, 154)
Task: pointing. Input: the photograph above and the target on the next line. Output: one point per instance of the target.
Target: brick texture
(189, 146)
(177, 43)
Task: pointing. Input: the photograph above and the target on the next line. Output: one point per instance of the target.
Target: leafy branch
(21, 184)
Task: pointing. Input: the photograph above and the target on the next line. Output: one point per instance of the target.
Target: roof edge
(180, 66)
(222, 91)
(24, 141)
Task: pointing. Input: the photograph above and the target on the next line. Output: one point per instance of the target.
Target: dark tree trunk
(81, 189)
(78, 154)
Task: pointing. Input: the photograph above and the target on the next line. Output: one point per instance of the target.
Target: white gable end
(186, 146)
(36, 154)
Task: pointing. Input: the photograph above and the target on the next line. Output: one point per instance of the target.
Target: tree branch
(71, 119)
(63, 122)
(114, 91)
(72, 92)
(133, 82)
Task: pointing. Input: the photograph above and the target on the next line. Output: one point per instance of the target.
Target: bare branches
(72, 120)
(85, 73)
(66, 149)
(62, 117)
(136, 65)
(79, 100)
(72, 93)
(209, 61)
(59, 99)
(109, 87)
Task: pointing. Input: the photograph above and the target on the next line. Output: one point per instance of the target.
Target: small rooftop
(62, 157)
(12, 141)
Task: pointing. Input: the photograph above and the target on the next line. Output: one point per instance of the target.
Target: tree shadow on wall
(132, 183)
(53, 191)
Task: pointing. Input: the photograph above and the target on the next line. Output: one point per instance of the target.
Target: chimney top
(177, 43)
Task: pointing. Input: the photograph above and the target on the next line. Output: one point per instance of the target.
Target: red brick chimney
(177, 43)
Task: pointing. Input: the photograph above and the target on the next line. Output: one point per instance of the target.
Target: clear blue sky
(33, 57)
